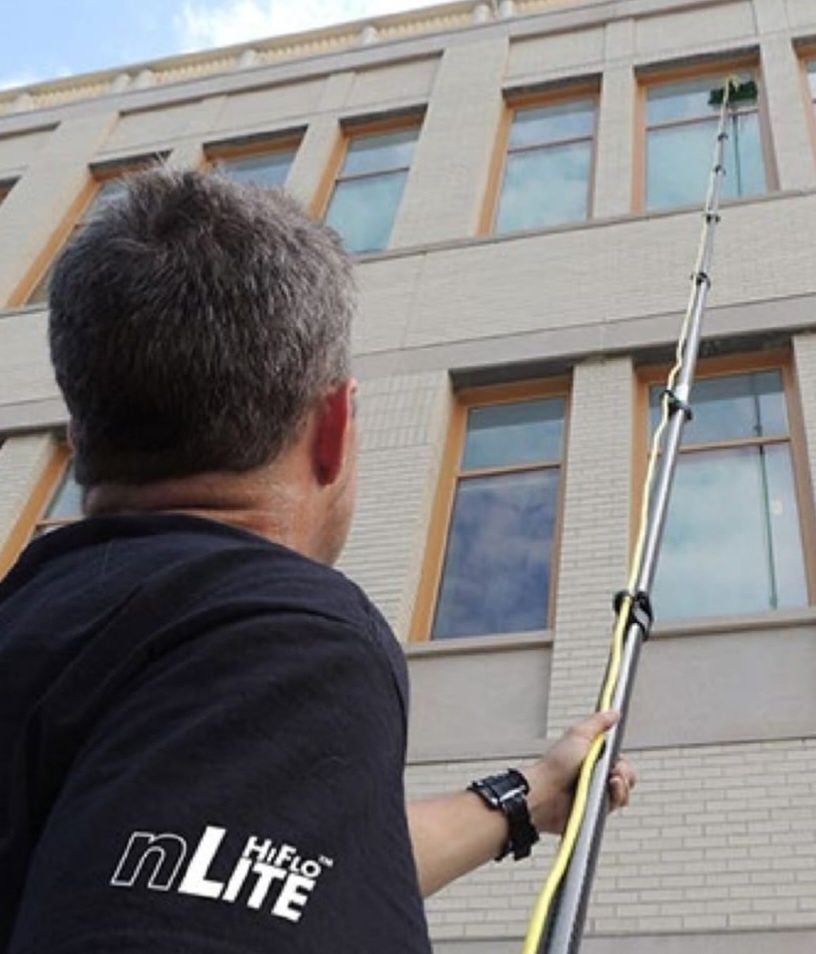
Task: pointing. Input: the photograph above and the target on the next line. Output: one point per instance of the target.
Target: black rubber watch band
(506, 793)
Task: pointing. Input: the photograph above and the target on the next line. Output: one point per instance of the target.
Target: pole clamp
(675, 404)
(701, 278)
(640, 609)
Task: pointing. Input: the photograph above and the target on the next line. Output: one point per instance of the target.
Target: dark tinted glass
(733, 407)
(380, 152)
(543, 124)
(363, 210)
(496, 577)
(688, 100)
(519, 433)
(732, 543)
(266, 170)
(679, 161)
(67, 501)
(545, 187)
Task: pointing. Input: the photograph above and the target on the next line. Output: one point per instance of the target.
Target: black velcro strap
(640, 609)
(675, 404)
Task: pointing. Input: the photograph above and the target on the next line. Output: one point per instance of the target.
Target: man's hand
(552, 779)
(453, 834)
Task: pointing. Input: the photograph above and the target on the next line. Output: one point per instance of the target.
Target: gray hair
(193, 323)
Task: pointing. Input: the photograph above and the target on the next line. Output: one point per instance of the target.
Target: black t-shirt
(202, 741)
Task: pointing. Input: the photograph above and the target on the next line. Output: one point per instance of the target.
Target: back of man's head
(193, 323)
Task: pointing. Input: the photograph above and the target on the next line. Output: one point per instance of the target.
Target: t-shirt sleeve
(242, 794)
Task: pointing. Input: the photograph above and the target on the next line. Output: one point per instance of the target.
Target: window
(65, 505)
(681, 127)
(548, 166)
(500, 503)
(53, 501)
(810, 67)
(265, 168)
(368, 189)
(106, 192)
(733, 540)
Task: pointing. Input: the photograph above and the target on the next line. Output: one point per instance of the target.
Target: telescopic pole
(564, 926)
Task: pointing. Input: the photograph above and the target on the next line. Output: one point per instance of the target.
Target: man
(203, 730)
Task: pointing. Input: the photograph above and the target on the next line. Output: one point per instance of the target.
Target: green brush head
(738, 92)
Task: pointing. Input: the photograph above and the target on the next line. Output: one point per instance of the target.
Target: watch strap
(507, 793)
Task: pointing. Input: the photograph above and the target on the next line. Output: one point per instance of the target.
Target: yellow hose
(541, 909)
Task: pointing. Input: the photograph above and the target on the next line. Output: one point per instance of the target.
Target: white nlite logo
(158, 860)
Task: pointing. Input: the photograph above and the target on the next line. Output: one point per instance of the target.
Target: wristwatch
(506, 793)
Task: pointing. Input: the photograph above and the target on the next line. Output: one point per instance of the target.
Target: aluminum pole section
(564, 928)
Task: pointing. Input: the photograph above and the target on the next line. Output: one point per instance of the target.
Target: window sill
(365, 258)
(10, 311)
(461, 646)
(749, 622)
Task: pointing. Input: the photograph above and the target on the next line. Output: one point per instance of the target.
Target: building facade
(522, 182)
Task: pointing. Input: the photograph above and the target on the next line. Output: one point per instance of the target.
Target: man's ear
(332, 436)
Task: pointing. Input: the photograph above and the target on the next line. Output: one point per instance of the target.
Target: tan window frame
(650, 78)
(35, 507)
(356, 129)
(650, 375)
(450, 471)
(807, 56)
(244, 147)
(73, 219)
(514, 101)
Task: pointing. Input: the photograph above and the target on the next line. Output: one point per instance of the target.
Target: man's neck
(251, 502)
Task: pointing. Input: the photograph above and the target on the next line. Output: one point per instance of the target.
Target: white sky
(44, 39)
(201, 24)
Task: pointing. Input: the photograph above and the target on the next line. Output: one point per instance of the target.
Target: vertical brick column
(616, 119)
(189, 153)
(403, 423)
(449, 173)
(320, 141)
(595, 535)
(792, 143)
(45, 194)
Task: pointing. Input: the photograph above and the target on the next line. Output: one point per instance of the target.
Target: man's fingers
(618, 792)
(622, 780)
(595, 724)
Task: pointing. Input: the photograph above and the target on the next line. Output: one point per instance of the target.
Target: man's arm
(453, 834)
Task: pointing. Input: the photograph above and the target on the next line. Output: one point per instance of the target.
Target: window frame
(650, 375)
(806, 54)
(436, 541)
(355, 128)
(98, 175)
(35, 507)
(515, 100)
(651, 77)
(6, 185)
(218, 152)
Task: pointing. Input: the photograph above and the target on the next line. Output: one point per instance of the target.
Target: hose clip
(640, 609)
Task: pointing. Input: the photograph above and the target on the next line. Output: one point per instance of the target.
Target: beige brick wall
(44, 195)
(595, 536)
(455, 146)
(403, 422)
(718, 838)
